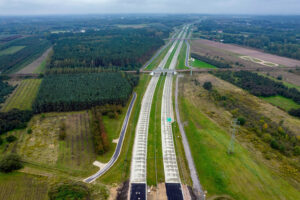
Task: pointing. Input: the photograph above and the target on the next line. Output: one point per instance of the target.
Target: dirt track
(35, 64)
(250, 52)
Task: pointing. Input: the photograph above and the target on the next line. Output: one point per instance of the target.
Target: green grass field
(238, 175)
(121, 169)
(282, 102)
(200, 64)
(41, 68)
(155, 167)
(23, 96)
(181, 58)
(20, 186)
(11, 50)
(158, 59)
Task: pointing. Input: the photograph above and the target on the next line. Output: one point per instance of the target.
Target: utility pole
(234, 125)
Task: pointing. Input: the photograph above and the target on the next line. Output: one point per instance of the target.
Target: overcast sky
(34, 7)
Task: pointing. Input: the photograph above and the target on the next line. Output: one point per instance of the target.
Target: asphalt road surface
(119, 145)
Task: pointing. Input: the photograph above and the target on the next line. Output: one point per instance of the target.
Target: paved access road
(119, 145)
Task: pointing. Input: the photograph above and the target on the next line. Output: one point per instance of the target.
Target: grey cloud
(12, 7)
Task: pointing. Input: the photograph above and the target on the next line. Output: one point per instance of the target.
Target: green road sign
(169, 119)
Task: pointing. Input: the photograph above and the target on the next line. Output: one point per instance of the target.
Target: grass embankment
(23, 96)
(179, 148)
(282, 102)
(181, 58)
(159, 58)
(171, 56)
(241, 175)
(121, 169)
(155, 167)
(20, 186)
(200, 64)
(11, 50)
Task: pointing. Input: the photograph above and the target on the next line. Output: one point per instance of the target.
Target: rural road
(119, 145)
(187, 150)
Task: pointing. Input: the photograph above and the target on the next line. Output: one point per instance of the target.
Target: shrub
(241, 121)
(29, 131)
(267, 137)
(10, 163)
(1, 141)
(295, 112)
(62, 132)
(297, 150)
(274, 144)
(11, 138)
(14, 119)
(69, 191)
(207, 85)
(279, 77)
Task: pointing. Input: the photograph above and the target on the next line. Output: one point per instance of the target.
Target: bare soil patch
(35, 64)
(250, 52)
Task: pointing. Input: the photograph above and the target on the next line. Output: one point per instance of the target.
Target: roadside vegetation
(255, 170)
(261, 86)
(200, 64)
(159, 58)
(155, 166)
(181, 58)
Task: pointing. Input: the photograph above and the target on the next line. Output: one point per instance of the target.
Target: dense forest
(211, 61)
(67, 92)
(126, 49)
(44, 24)
(5, 89)
(273, 34)
(14, 119)
(259, 85)
(30, 48)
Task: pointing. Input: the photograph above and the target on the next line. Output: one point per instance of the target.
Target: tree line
(5, 90)
(14, 119)
(259, 85)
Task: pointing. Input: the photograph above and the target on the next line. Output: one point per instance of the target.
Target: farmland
(23, 96)
(16, 57)
(246, 174)
(43, 147)
(37, 66)
(91, 90)
(11, 50)
(20, 186)
(250, 52)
